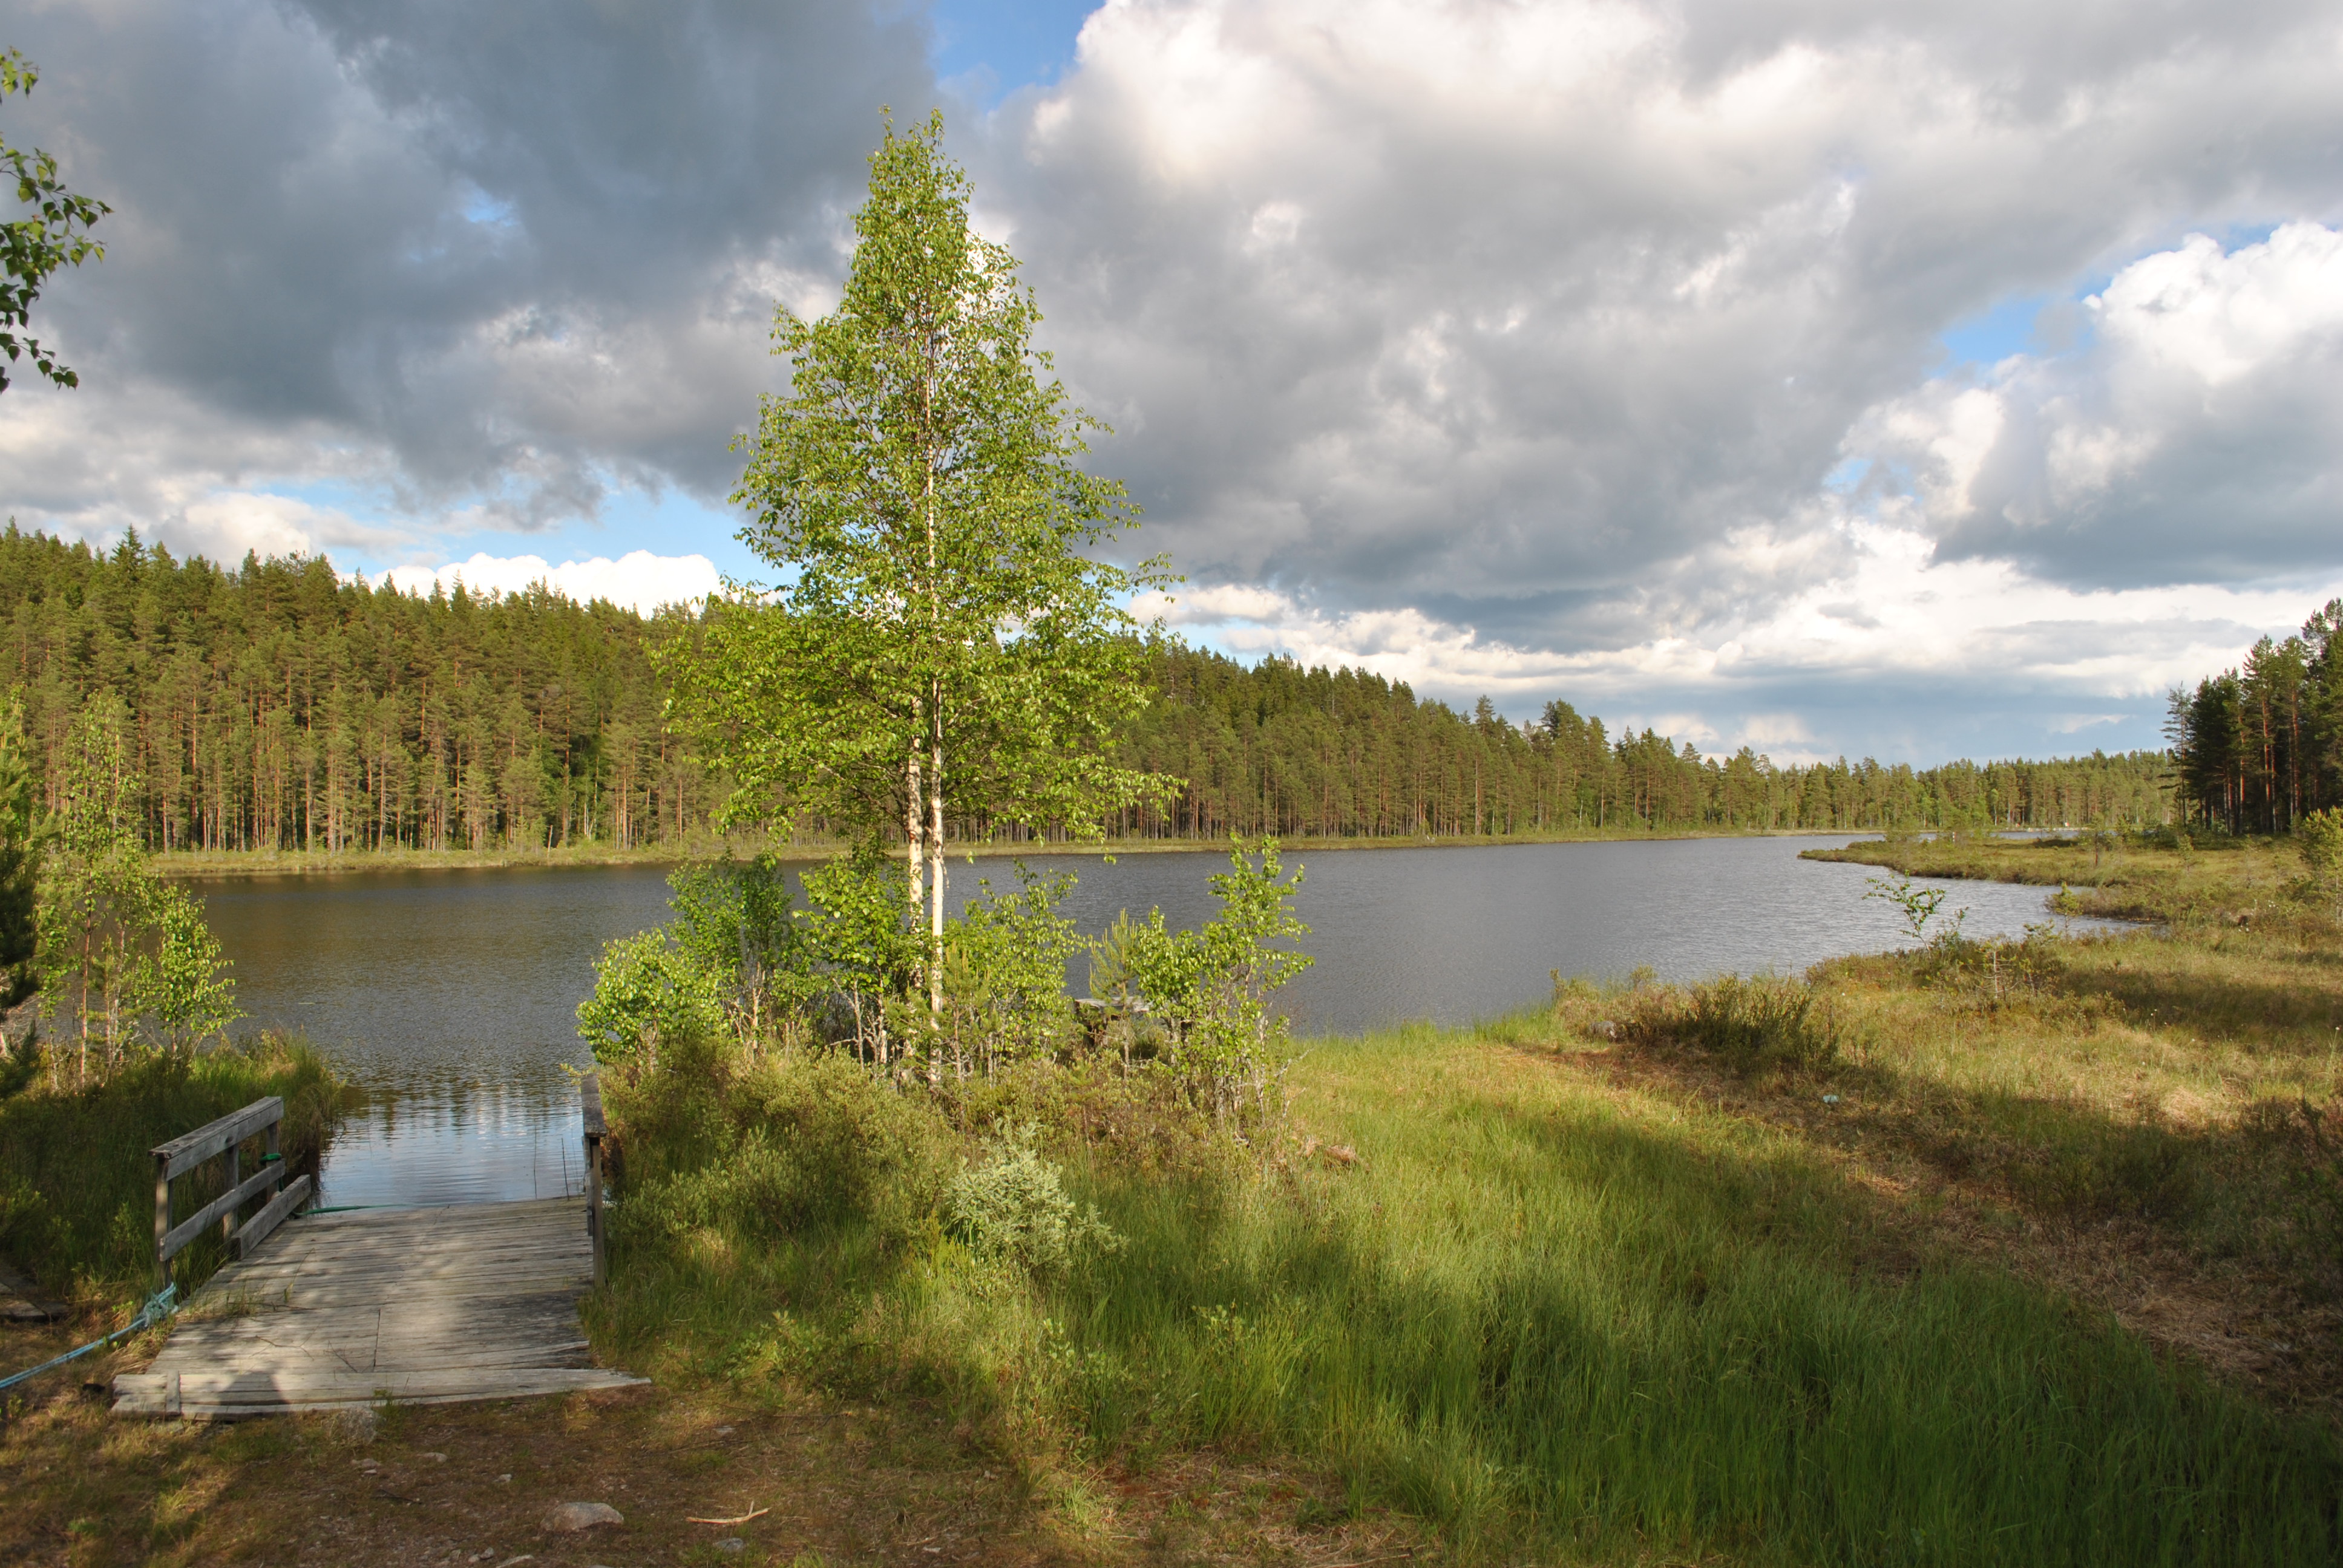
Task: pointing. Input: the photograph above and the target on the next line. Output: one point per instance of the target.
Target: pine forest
(276, 706)
(2258, 747)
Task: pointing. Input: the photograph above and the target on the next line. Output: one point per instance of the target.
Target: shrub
(1762, 1020)
(1765, 1020)
(647, 988)
(762, 1148)
(1014, 1207)
(1995, 966)
(2320, 838)
(1209, 987)
(1005, 973)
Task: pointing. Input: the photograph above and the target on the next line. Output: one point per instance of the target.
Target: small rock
(503, 1479)
(434, 1458)
(357, 1424)
(571, 1517)
(731, 1546)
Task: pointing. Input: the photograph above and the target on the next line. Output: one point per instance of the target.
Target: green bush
(76, 1184)
(1762, 1022)
(1012, 1206)
(762, 1148)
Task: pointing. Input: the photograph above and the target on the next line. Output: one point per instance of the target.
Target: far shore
(217, 864)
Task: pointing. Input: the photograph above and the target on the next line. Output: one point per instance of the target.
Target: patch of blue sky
(673, 523)
(2237, 237)
(1849, 473)
(1995, 334)
(480, 207)
(987, 49)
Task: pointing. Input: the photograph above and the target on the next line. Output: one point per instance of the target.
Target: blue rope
(159, 1305)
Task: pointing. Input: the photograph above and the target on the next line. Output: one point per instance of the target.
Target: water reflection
(451, 996)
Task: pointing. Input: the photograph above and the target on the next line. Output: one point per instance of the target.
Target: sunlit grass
(1547, 1310)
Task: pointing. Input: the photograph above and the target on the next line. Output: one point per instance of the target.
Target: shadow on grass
(1556, 1323)
(1524, 1314)
(2226, 1005)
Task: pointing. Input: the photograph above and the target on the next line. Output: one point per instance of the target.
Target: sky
(1868, 378)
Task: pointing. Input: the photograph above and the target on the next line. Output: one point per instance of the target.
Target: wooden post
(234, 1180)
(590, 1109)
(162, 1220)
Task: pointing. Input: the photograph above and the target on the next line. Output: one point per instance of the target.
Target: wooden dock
(424, 1306)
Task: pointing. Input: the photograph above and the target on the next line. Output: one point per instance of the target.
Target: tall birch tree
(943, 648)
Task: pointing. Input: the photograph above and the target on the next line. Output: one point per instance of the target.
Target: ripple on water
(451, 996)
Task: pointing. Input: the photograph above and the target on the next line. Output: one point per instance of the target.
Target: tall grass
(77, 1183)
(1524, 1310)
(1535, 1311)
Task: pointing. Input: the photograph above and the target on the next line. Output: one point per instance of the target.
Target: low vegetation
(1981, 1251)
(78, 1188)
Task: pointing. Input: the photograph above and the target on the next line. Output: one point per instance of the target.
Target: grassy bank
(77, 1183)
(204, 863)
(2121, 876)
(1614, 1280)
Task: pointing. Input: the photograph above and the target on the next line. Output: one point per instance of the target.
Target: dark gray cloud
(1530, 333)
(507, 251)
(1509, 313)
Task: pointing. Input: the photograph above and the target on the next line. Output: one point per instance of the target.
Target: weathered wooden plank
(235, 1198)
(274, 1213)
(433, 1306)
(232, 1395)
(322, 1290)
(589, 1104)
(184, 1153)
(255, 1388)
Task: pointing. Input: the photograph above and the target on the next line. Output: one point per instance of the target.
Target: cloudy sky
(1915, 380)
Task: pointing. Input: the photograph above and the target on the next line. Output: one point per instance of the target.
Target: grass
(1537, 1310)
(77, 1183)
(203, 863)
(1981, 1252)
(2162, 877)
(1614, 1281)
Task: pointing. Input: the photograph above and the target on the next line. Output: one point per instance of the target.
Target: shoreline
(226, 865)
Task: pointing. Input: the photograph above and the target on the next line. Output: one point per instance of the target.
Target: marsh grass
(1548, 1306)
(76, 1181)
(2163, 877)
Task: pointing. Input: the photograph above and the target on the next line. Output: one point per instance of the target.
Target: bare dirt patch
(797, 1483)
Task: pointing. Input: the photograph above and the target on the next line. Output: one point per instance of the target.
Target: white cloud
(2192, 436)
(1500, 345)
(638, 579)
(1891, 619)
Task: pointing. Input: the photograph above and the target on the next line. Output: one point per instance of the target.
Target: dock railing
(589, 1096)
(263, 1119)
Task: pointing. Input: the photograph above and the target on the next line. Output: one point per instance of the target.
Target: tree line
(2259, 745)
(1345, 753)
(276, 706)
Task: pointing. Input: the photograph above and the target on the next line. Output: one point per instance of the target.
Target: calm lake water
(451, 996)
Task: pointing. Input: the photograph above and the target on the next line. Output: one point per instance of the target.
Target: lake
(450, 995)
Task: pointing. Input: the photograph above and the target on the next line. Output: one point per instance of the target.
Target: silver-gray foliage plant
(1012, 1206)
